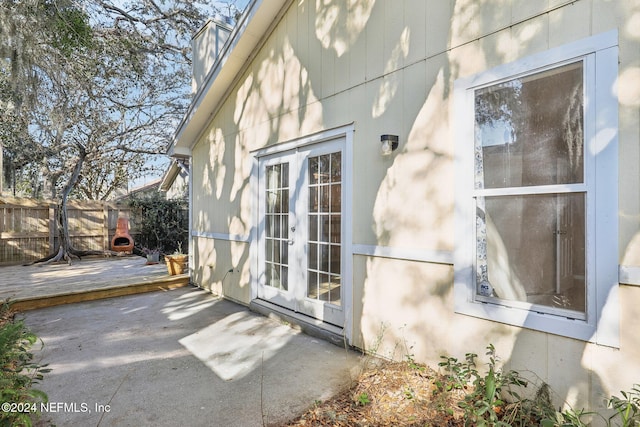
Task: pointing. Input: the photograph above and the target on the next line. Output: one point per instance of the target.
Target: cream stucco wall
(389, 67)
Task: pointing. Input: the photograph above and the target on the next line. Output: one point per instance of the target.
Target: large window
(536, 196)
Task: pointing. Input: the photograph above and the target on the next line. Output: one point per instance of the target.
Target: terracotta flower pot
(176, 264)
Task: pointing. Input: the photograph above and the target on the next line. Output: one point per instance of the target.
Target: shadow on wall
(277, 99)
(412, 196)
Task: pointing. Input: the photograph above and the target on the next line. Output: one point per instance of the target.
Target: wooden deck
(38, 286)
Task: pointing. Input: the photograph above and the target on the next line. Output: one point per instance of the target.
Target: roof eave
(169, 176)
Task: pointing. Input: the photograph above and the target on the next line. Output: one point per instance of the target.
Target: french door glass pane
(529, 130)
(531, 248)
(324, 249)
(276, 226)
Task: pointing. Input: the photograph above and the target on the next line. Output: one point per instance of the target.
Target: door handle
(290, 241)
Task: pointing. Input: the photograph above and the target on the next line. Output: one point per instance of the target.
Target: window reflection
(529, 131)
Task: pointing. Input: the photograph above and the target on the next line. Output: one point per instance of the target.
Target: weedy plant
(363, 399)
(18, 372)
(485, 403)
(493, 398)
(627, 408)
(459, 374)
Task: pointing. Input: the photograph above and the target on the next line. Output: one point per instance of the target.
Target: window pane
(269, 274)
(285, 253)
(532, 249)
(334, 261)
(324, 287)
(336, 167)
(313, 256)
(324, 164)
(323, 258)
(312, 285)
(335, 196)
(273, 176)
(273, 226)
(284, 175)
(335, 229)
(284, 201)
(313, 199)
(284, 278)
(323, 234)
(313, 228)
(269, 225)
(285, 226)
(323, 198)
(277, 254)
(529, 131)
(268, 249)
(314, 176)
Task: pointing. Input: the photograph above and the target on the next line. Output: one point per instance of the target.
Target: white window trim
(601, 147)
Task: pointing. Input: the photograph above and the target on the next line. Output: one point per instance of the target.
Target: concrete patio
(175, 356)
(181, 357)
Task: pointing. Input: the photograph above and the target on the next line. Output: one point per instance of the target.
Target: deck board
(38, 286)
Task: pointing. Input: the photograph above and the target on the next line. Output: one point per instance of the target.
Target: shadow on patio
(182, 357)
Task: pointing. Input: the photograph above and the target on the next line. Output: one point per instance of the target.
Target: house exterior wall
(388, 67)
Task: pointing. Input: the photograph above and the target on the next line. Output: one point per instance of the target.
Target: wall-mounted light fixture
(389, 143)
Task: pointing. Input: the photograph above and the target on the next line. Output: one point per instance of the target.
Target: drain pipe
(190, 246)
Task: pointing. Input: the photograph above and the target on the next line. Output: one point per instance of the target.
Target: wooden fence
(29, 230)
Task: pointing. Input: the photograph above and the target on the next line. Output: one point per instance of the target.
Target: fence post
(52, 227)
(105, 228)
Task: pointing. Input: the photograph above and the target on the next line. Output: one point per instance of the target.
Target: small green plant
(484, 404)
(566, 418)
(363, 399)
(413, 365)
(526, 412)
(409, 393)
(18, 372)
(627, 408)
(459, 374)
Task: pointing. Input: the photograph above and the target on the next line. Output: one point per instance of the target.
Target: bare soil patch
(391, 394)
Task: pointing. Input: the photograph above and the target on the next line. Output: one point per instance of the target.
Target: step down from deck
(43, 301)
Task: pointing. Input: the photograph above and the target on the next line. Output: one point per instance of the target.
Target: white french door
(301, 230)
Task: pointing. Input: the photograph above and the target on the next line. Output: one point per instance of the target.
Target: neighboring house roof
(176, 168)
(258, 19)
(147, 188)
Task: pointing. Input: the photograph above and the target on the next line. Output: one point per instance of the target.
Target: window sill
(629, 275)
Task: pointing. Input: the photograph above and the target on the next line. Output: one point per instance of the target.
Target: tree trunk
(65, 250)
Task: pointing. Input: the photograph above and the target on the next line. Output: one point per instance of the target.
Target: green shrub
(160, 223)
(18, 372)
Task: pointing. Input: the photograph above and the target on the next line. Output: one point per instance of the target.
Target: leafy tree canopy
(105, 80)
